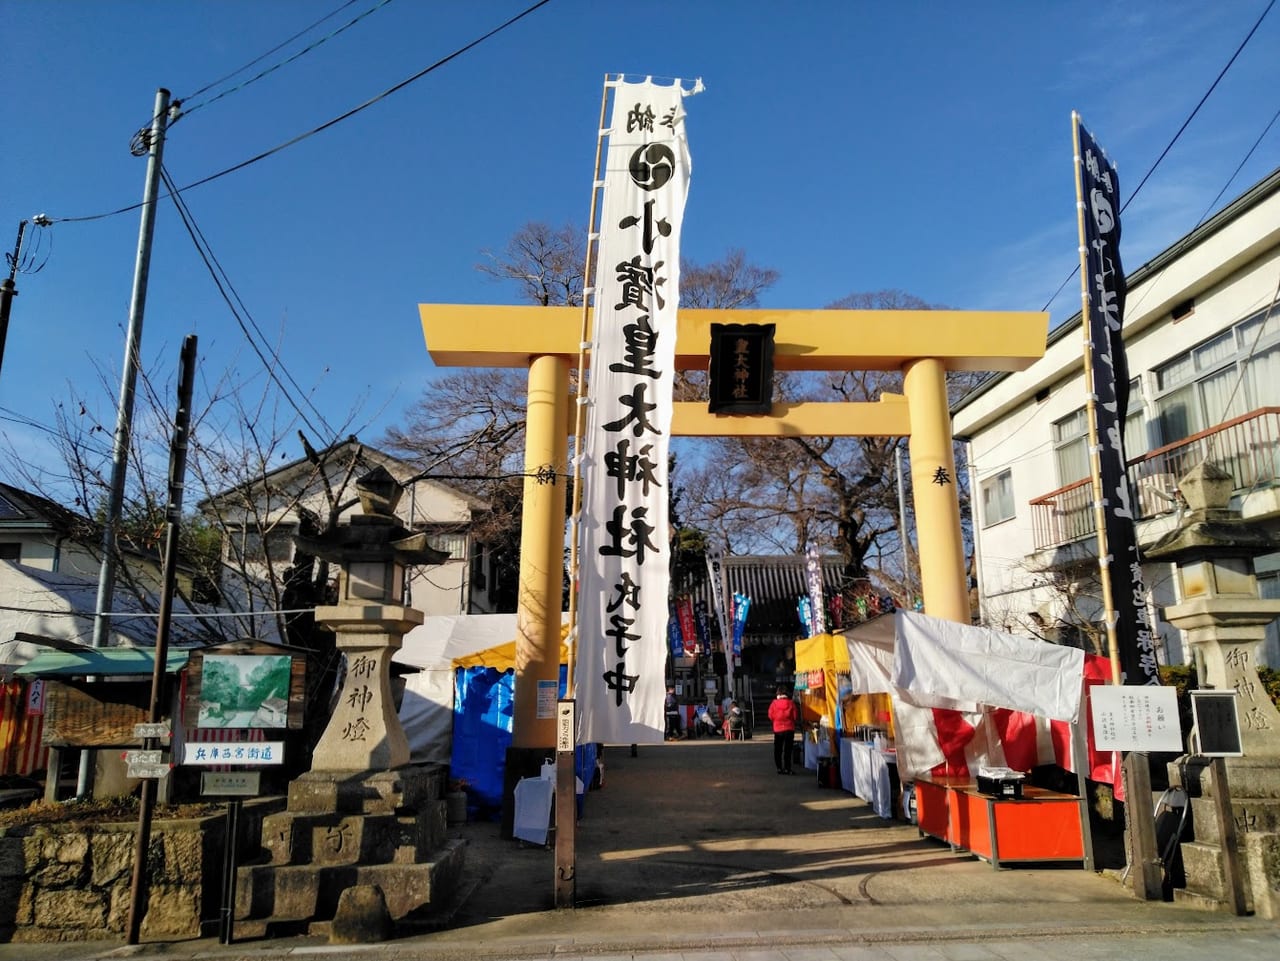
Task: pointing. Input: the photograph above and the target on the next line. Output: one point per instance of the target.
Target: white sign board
(547, 691)
(1135, 718)
(141, 769)
(564, 726)
(230, 783)
(253, 752)
(160, 729)
(146, 764)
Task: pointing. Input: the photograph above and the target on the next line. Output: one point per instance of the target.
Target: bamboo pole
(580, 414)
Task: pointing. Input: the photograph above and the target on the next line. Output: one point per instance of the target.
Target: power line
(1176, 136)
(279, 46)
(330, 123)
(288, 60)
(223, 283)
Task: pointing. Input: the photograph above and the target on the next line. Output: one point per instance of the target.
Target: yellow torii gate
(922, 344)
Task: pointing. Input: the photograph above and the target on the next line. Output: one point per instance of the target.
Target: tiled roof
(774, 584)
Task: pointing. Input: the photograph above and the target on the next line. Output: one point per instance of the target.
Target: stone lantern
(1219, 608)
(1225, 621)
(370, 621)
(362, 840)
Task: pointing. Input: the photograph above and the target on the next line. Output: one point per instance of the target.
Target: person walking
(785, 718)
(671, 711)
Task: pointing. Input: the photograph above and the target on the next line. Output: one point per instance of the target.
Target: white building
(259, 520)
(1202, 335)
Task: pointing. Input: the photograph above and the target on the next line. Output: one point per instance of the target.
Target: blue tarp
(483, 704)
(483, 707)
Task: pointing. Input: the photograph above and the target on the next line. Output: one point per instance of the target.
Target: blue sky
(851, 146)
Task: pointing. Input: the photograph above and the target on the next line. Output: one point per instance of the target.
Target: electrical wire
(188, 110)
(329, 123)
(178, 102)
(223, 283)
(1123, 207)
(1213, 86)
(126, 615)
(279, 46)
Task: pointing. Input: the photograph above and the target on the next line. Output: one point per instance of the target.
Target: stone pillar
(933, 481)
(364, 733)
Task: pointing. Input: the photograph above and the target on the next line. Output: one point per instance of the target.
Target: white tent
(928, 663)
(426, 709)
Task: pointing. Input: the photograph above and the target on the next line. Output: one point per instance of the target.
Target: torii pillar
(922, 344)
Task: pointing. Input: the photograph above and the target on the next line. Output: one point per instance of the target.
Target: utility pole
(8, 290)
(153, 143)
(173, 520)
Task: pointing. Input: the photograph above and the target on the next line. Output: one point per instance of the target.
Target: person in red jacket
(785, 718)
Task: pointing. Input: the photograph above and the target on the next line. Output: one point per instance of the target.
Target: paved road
(700, 850)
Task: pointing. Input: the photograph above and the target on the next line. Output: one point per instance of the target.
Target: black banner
(1105, 283)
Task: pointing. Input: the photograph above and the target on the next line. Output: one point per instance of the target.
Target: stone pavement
(699, 850)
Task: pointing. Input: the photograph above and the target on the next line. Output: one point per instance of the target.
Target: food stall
(970, 702)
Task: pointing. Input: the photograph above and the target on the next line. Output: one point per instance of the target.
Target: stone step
(280, 894)
(1203, 866)
(347, 839)
(1193, 899)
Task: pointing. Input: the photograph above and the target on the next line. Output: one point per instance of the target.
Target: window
(11, 552)
(455, 545)
(247, 545)
(997, 499)
(1071, 447)
(1217, 380)
(1135, 424)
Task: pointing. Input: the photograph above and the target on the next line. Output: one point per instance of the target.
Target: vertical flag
(702, 621)
(817, 603)
(684, 608)
(1103, 283)
(741, 606)
(673, 630)
(715, 577)
(625, 575)
(719, 592)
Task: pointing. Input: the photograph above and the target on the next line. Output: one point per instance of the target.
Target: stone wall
(62, 882)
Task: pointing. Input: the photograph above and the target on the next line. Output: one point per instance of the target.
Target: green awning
(105, 661)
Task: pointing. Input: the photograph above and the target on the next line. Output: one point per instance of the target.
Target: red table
(1040, 826)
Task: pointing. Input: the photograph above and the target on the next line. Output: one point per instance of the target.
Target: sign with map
(245, 685)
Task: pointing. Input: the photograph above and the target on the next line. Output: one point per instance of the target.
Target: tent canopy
(105, 661)
(463, 640)
(813, 653)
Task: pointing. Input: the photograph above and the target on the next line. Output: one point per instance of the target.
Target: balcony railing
(1247, 448)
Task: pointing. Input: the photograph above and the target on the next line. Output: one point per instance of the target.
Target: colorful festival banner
(688, 631)
(741, 606)
(817, 602)
(804, 610)
(1098, 188)
(625, 550)
(702, 620)
(715, 577)
(674, 639)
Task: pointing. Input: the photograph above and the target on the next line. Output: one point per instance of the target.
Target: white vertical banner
(719, 590)
(625, 551)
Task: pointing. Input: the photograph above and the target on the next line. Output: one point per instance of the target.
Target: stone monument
(362, 816)
(1225, 620)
